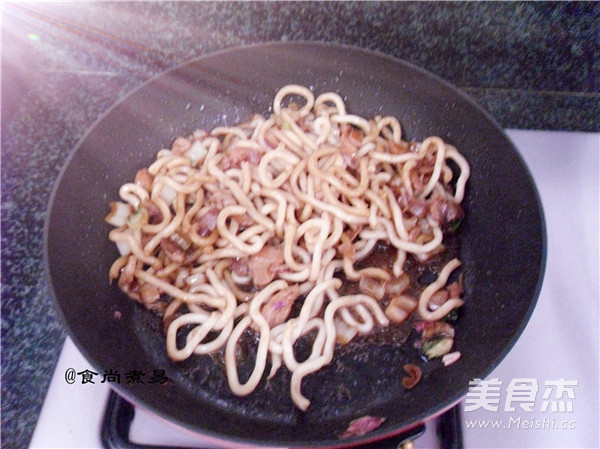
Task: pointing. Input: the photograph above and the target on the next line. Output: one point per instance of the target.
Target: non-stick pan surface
(503, 245)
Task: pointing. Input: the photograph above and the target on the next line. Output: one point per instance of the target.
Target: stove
(545, 393)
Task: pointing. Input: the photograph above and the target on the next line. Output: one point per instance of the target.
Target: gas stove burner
(119, 415)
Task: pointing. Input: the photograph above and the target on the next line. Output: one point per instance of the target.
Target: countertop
(531, 65)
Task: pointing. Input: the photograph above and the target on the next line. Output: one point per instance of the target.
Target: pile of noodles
(229, 228)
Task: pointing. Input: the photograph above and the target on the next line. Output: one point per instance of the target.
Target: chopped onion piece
(163, 153)
(180, 240)
(398, 285)
(168, 194)
(450, 358)
(196, 279)
(123, 247)
(118, 214)
(344, 333)
(372, 286)
(197, 152)
(400, 308)
(138, 219)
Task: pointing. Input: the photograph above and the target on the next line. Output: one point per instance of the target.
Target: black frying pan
(503, 245)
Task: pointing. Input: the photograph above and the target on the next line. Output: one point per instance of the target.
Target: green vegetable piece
(437, 348)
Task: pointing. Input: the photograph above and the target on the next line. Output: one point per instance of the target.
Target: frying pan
(502, 246)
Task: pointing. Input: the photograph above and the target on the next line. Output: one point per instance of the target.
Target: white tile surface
(561, 339)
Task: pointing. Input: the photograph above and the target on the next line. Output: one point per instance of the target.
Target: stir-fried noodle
(229, 228)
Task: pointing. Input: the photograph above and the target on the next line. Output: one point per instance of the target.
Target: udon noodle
(230, 229)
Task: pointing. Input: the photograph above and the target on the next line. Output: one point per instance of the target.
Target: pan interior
(502, 244)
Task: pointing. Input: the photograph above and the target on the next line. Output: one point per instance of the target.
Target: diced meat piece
(418, 207)
(144, 179)
(207, 223)
(362, 426)
(416, 180)
(224, 198)
(278, 308)
(455, 289)
(270, 139)
(173, 250)
(350, 142)
(438, 299)
(149, 294)
(265, 264)
(245, 220)
(235, 156)
(445, 211)
(240, 267)
(399, 147)
(434, 329)
(221, 199)
(181, 145)
(347, 250)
